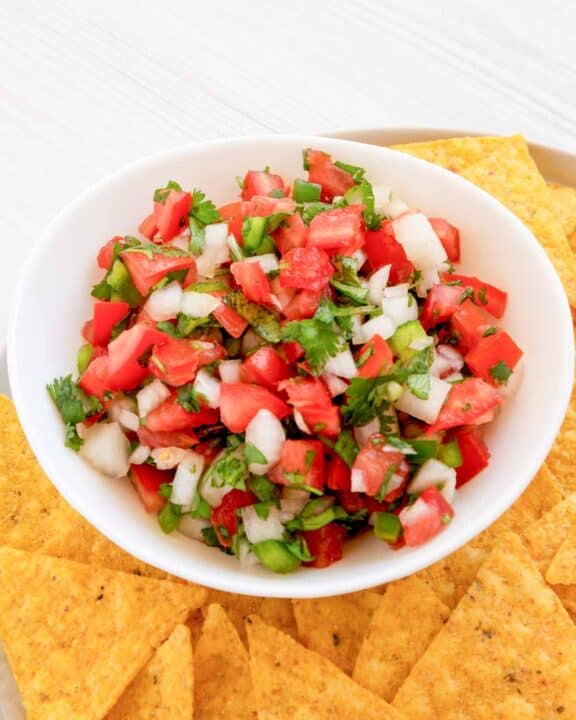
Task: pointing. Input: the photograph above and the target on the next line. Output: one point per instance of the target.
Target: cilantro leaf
(363, 194)
(71, 438)
(346, 447)
(264, 489)
(346, 281)
(189, 398)
(161, 194)
(253, 455)
(72, 402)
(501, 372)
(419, 385)
(318, 338)
(204, 210)
(229, 469)
(308, 211)
(492, 330)
(365, 400)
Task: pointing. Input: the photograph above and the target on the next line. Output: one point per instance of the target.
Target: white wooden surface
(89, 85)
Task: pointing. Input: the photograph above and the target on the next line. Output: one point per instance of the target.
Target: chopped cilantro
(419, 385)
(365, 355)
(264, 489)
(188, 398)
(468, 293)
(167, 327)
(318, 338)
(253, 455)
(363, 194)
(204, 211)
(308, 211)
(365, 399)
(229, 469)
(501, 372)
(346, 281)
(492, 330)
(161, 194)
(383, 490)
(482, 295)
(309, 459)
(71, 438)
(346, 447)
(72, 402)
(446, 519)
(210, 537)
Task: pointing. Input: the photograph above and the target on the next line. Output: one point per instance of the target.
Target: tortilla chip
(564, 207)
(76, 636)
(292, 682)
(452, 576)
(562, 569)
(405, 622)
(275, 611)
(544, 538)
(35, 517)
(511, 176)
(335, 626)
(223, 686)
(455, 154)
(508, 636)
(563, 453)
(163, 689)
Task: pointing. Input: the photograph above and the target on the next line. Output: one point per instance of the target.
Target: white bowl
(53, 300)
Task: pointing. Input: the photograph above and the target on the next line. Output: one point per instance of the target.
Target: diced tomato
(469, 323)
(106, 252)
(233, 213)
(376, 356)
(170, 416)
(376, 466)
(172, 217)
(467, 402)
(325, 544)
(182, 438)
(301, 464)
(260, 183)
(337, 230)
(284, 295)
(106, 315)
(233, 323)
(239, 403)
(449, 236)
(262, 206)
(176, 362)
(292, 351)
(383, 249)
(94, 380)
(265, 367)
(303, 305)
(490, 352)
(491, 298)
(147, 480)
(441, 303)
(291, 234)
(306, 269)
(253, 282)
(474, 452)
(426, 517)
(334, 180)
(338, 475)
(311, 398)
(87, 331)
(146, 272)
(149, 226)
(224, 518)
(124, 370)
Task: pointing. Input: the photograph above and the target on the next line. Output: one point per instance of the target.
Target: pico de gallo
(284, 372)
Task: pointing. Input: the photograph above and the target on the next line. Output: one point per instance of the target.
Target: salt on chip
(562, 569)
(451, 576)
(223, 685)
(564, 208)
(561, 458)
(408, 617)
(292, 682)
(455, 154)
(35, 517)
(335, 626)
(164, 688)
(76, 636)
(508, 636)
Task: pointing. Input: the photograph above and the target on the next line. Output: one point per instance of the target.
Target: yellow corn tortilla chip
(292, 682)
(511, 176)
(508, 635)
(451, 577)
(275, 611)
(564, 208)
(34, 516)
(335, 626)
(163, 689)
(563, 453)
(405, 622)
(544, 538)
(562, 569)
(223, 686)
(76, 636)
(455, 154)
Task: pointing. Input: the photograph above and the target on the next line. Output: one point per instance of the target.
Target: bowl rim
(270, 586)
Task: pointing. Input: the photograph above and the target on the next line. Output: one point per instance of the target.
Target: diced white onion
(216, 250)
(428, 278)
(250, 341)
(377, 284)
(395, 291)
(292, 502)
(358, 480)
(198, 304)
(416, 235)
(129, 420)
(181, 242)
(151, 396)
(186, 478)
(139, 455)
(363, 432)
(421, 343)
(164, 304)
(342, 365)
(454, 377)
(360, 257)
(301, 423)
(413, 514)
(426, 410)
(214, 494)
(230, 370)
(119, 403)
(192, 527)
(258, 529)
(400, 309)
(434, 473)
(166, 458)
(207, 385)
(336, 386)
(381, 325)
(268, 262)
(266, 433)
(387, 202)
(246, 557)
(107, 449)
(447, 360)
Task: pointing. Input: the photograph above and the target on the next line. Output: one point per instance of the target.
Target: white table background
(89, 85)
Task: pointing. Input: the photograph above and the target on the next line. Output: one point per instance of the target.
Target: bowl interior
(53, 301)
